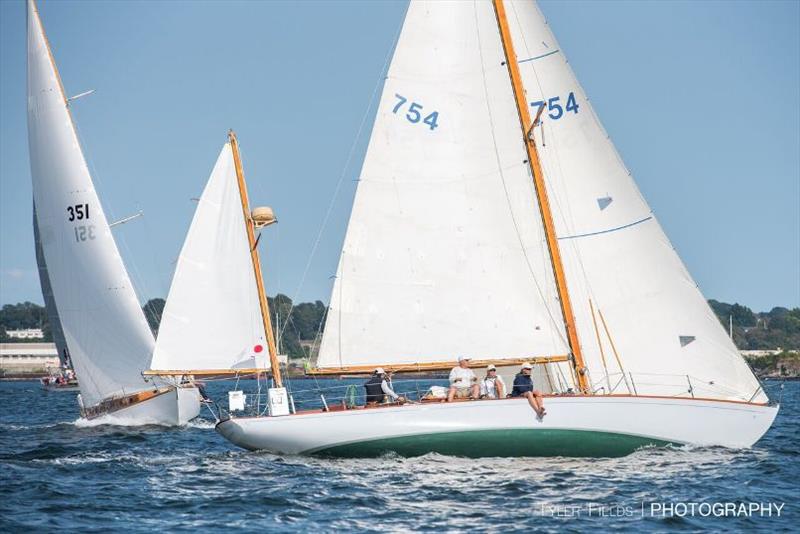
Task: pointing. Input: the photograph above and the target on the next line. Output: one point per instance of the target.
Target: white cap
(526, 365)
(379, 371)
(462, 358)
(491, 367)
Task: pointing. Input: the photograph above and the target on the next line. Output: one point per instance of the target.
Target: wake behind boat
(107, 334)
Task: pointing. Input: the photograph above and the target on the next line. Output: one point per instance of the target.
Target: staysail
(212, 319)
(444, 254)
(615, 252)
(108, 337)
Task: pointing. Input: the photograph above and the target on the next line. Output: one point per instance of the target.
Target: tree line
(298, 326)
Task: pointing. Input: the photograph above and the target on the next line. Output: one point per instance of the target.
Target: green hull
(487, 443)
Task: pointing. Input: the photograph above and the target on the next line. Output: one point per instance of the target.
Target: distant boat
(109, 340)
(60, 380)
(494, 219)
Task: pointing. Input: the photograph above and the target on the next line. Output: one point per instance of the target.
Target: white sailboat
(216, 320)
(494, 219)
(108, 337)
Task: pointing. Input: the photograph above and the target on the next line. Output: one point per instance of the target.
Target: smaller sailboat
(216, 321)
(110, 343)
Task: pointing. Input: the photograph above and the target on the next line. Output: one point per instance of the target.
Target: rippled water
(59, 473)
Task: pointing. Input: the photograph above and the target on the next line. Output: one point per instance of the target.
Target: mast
(541, 196)
(262, 298)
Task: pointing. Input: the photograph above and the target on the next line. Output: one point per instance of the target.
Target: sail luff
(579, 367)
(262, 297)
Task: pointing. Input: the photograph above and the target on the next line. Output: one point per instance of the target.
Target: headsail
(445, 253)
(615, 252)
(107, 334)
(212, 319)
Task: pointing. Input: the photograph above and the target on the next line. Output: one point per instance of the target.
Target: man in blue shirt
(523, 387)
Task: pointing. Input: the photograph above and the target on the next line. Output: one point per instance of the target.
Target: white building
(28, 333)
(27, 358)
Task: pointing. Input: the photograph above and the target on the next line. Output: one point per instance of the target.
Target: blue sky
(702, 99)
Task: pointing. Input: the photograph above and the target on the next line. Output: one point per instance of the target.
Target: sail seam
(576, 236)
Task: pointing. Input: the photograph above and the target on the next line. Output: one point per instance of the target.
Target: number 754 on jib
(414, 112)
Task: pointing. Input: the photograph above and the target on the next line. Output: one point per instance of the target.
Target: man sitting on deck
(463, 382)
(379, 388)
(523, 387)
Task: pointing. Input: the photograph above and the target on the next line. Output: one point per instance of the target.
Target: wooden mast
(541, 196)
(251, 238)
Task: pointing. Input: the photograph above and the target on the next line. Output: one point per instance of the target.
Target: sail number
(80, 212)
(554, 108)
(414, 113)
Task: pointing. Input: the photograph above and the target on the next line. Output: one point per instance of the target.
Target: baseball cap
(491, 367)
(379, 371)
(462, 358)
(526, 365)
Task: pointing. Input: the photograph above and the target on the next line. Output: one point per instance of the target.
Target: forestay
(108, 337)
(444, 253)
(614, 250)
(212, 319)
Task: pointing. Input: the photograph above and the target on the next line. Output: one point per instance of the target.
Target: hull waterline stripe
(538, 57)
(607, 231)
(499, 442)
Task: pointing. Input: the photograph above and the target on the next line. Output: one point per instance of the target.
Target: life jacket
(373, 387)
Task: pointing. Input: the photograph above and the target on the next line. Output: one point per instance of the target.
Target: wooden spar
(600, 344)
(205, 372)
(433, 366)
(541, 195)
(251, 238)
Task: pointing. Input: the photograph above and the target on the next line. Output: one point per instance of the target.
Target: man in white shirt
(492, 386)
(463, 382)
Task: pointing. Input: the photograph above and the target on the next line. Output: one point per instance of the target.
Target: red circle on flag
(258, 348)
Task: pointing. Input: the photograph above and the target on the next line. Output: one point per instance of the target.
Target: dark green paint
(512, 443)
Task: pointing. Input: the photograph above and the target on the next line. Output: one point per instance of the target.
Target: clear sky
(702, 99)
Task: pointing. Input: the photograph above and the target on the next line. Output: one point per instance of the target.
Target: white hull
(174, 408)
(573, 426)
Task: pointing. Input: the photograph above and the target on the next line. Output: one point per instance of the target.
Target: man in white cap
(523, 387)
(379, 388)
(463, 382)
(492, 386)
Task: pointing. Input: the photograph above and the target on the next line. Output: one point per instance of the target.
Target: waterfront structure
(27, 359)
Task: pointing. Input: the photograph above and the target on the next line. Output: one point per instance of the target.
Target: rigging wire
(379, 82)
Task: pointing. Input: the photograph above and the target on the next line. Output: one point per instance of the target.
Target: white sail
(615, 252)
(444, 253)
(108, 337)
(212, 319)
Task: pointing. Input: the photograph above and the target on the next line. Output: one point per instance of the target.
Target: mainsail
(109, 340)
(445, 252)
(212, 319)
(614, 250)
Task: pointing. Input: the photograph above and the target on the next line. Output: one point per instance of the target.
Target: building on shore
(26, 333)
(27, 360)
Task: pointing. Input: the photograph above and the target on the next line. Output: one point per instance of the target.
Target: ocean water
(58, 472)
